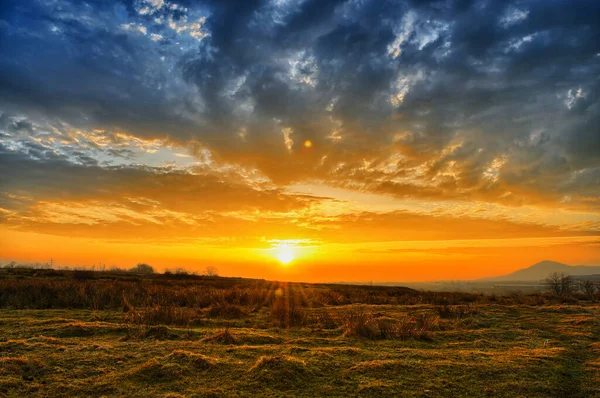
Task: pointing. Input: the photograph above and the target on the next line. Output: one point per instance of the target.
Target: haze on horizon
(314, 140)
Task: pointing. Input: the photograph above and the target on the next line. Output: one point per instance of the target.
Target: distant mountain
(541, 271)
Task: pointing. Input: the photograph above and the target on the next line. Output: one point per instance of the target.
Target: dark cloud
(450, 100)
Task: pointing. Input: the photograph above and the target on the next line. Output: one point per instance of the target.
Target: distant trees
(211, 271)
(587, 287)
(208, 271)
(142, 269)
(178, 271)
(560, 284)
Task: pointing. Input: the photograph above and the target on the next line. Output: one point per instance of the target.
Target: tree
(181, 271)
(587, 287)
(560, 284)
(211, 271)
(143, 269)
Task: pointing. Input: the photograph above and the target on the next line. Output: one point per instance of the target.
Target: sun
(285, 253)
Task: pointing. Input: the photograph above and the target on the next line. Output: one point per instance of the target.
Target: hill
(541, 271)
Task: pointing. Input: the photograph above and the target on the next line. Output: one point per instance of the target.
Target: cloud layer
(195, 114)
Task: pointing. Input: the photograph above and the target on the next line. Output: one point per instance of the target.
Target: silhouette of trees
(211, 271)
(143, 269)
(560, 284)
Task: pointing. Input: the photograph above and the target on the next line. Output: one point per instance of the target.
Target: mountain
(541, 271)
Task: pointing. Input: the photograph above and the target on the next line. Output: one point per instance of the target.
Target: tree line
(561, 284)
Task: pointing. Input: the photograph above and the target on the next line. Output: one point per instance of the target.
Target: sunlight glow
(285, 253)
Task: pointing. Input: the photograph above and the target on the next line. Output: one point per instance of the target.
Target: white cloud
(132, 27)
(573, 96)
(513, 16)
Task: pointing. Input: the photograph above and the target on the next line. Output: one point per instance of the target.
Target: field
(99, 334)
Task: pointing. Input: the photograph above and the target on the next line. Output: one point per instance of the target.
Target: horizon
(309, 140)
(101, 267)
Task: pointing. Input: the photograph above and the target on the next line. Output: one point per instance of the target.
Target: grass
(244, 344)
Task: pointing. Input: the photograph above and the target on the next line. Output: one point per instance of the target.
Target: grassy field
(281, 341)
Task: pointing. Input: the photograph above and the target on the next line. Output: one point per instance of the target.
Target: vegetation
(77, 333)
(560, 284)
(142, 269)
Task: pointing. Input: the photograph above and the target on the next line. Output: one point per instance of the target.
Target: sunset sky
(314, 140)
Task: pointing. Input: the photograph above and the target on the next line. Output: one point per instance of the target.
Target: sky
(313, 140)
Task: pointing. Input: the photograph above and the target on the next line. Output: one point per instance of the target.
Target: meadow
(82, 333)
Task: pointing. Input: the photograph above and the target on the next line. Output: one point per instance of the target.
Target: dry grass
(228, 311)
(224, 337)
(185, 338)
(456, 311)
(288, 312)
(367, 324)
(281, 371)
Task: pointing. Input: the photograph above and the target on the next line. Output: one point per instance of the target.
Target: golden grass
(502, 350)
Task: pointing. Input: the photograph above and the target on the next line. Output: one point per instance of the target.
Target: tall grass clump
(288, 312)
(361, 324)
(366, 324)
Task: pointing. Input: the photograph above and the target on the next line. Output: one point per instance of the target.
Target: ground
(499, 351)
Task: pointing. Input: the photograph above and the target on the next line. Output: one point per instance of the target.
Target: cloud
(492, 101)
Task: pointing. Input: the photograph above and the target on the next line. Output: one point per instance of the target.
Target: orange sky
(197, 212)
(328, 242)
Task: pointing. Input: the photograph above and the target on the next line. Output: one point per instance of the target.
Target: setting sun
(285, 253)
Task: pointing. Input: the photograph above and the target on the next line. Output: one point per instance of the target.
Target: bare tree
(586, 287)
(560, 284)
(211, 271)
